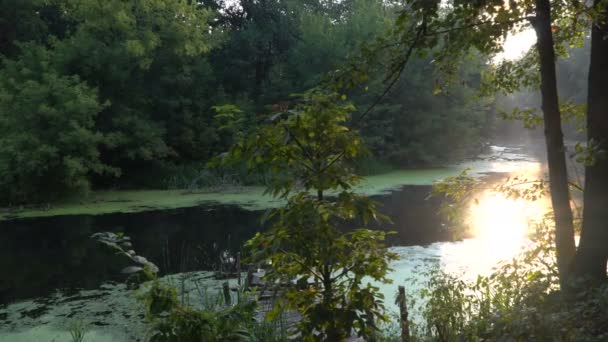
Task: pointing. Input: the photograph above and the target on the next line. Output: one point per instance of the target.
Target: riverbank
(247, 197)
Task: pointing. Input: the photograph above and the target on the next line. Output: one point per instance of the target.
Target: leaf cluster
(509, 304)
(311, 143)
(319, 270)
(173, 321)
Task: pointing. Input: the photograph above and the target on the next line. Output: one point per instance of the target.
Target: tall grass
(78, 330)
(172, 319)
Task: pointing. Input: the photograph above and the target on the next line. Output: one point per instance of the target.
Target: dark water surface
(42, 255)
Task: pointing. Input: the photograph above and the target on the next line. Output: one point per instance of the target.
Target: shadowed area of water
(39, 256)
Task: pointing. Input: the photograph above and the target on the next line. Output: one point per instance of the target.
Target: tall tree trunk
(558, 176)
(592, 254)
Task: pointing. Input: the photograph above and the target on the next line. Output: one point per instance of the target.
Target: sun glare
(499, 225)
(502, 223)
(516, 45)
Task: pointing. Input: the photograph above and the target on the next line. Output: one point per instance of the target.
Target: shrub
(48, 141)
(519, 301)
(324, 273)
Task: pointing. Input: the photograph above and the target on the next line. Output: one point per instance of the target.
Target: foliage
(313, 143)
(175, 321)
(78, 331)
(149, 67)
(447, 33)
(483, 26)
(528, 116)
(519, 300)
(171, 94)
(262, 33)
(559, 25)
(587, 154)
(48, 139)
(322, 271)
(522, 298)
(28, 21)
(329, 267)
(413, 126)
(456, 191)
(230, 123)
(128, 80)
(572, 113)
(502, 304)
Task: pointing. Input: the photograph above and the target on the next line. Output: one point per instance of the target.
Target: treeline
(125, 94)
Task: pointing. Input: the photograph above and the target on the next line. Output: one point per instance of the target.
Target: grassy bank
(248, 197)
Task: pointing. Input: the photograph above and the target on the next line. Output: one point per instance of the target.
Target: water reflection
(42, 255)
(499, 224)
(39, 256)
(499, 228)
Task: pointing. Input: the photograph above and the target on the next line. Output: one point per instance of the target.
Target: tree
(412, 125)
(556, 152)
(147, 59)
(48, 140)
(592, 254)
(261, 34)
(29, 21)
(409, 129)
(564, 22)
(325, 272)
(160, 78)
(482, 25)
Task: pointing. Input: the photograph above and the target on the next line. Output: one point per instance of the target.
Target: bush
(324, 273)
(173, 321)
(519, 301)
(48, 141)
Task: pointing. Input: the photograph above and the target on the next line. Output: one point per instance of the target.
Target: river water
(52, 276)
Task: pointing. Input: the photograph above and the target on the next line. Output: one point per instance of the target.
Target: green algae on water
(248, 197)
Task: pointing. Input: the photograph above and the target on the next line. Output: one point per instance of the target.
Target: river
(51, 275)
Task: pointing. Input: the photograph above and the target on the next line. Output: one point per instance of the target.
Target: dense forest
(119, 94)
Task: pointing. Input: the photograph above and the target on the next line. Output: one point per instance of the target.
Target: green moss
(384, 183)
(250, 197)
(111, 313)
(104, 202)
(48, 333)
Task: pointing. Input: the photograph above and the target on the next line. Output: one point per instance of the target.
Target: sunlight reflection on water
(499, 227)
